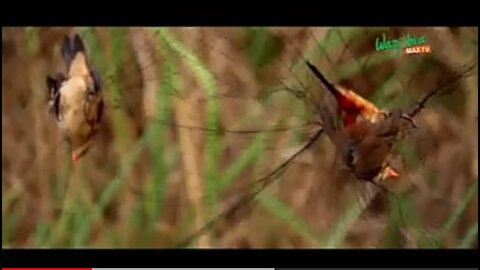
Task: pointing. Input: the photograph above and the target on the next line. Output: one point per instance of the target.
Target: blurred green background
(146, 183)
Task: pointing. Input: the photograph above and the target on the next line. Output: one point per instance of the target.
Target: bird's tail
(330, 87)
(71, 46)
(75, 57)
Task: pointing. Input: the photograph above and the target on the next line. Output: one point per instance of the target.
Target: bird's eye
(90, 94)
(52, 92)
(349, 152)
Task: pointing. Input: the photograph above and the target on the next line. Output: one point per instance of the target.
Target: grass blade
(459, 210)
(209, 84)
(272, 204)
(472, 235)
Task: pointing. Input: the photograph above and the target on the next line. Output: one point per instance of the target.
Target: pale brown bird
(76, 99)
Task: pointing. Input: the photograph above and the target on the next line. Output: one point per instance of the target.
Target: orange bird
(364, 123)
(358, 115)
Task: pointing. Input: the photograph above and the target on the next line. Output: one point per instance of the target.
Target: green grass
(472, 235)
(253, 154)
(209, 85)
(459, 210)
(339, 231)
(285, 214)
(156, 191)
(10, 222)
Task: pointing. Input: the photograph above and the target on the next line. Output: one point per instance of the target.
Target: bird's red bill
(392, 173)
(75, 158)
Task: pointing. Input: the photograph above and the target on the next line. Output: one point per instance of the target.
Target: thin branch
(252, 131)
(421, 104)
(247, 198)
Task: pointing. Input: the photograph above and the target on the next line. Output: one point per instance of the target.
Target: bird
(356, 113)
(365, 146)
(75, 99)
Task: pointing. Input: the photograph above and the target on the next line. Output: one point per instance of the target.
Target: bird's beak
(75, 158)
(80, 151)
(391, 173)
